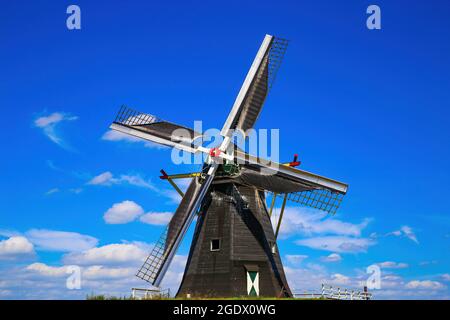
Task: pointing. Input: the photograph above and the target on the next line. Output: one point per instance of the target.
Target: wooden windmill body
(233, 250)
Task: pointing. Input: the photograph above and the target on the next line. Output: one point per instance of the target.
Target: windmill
(233, 250)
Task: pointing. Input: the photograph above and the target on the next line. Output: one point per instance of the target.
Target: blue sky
(366, 107)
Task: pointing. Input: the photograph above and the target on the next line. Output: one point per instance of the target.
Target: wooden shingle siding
(234, 214)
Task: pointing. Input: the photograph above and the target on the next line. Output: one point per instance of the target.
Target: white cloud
(405, 231)
(425, 285)
(113, 135)
(123, 212)
(49, 123)
(427, 263)
(111, 254)
(15, 247)
(338, 244)
(42, 281)
(64, 241)
(101, 272)
(137, 181)
(76, 190)
(90, 272)
(311, 277)
(392, 265)
(295, 258)
(107, 179)
(52, 119)
(52, 191)
(309, 222)
(304, 279)
(46, 270)
(173, 195)
(156, 218)
(392, 281)
(339, 280)
(174, 275)
(408, 232)
(332, 257)
(446, 276)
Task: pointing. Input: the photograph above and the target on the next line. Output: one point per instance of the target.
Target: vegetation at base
(158, 297)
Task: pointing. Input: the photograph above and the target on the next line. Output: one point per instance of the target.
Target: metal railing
(144, 294)
(335, 293)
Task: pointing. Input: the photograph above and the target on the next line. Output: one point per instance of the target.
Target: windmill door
(252, 280)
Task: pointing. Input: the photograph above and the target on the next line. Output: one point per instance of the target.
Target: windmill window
(215, 244)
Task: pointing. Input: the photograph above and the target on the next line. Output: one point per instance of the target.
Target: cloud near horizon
(15, 248)
(62, 241)
(308, 222)
(132, 254)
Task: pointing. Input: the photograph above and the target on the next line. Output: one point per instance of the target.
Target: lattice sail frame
(276, 55)
(130, 117)
(149, 270)
(321, 199)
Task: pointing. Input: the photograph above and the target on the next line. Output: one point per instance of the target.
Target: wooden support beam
(281, 216)
(274, 198)
(181, 176)
(172, 183)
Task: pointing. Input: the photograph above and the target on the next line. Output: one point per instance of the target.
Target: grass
(158, 297)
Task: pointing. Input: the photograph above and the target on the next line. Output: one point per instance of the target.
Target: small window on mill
(215, 244)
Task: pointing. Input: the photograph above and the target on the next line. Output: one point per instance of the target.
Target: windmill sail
(154, 129)
(157, 263)
(308, 179)
(254, 90)
(261, 85)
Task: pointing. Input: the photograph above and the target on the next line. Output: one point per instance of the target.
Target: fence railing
(137, 293)
(335, 293)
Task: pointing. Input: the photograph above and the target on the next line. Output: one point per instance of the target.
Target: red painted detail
(164, 175)
(214, 152)
(295, 162)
